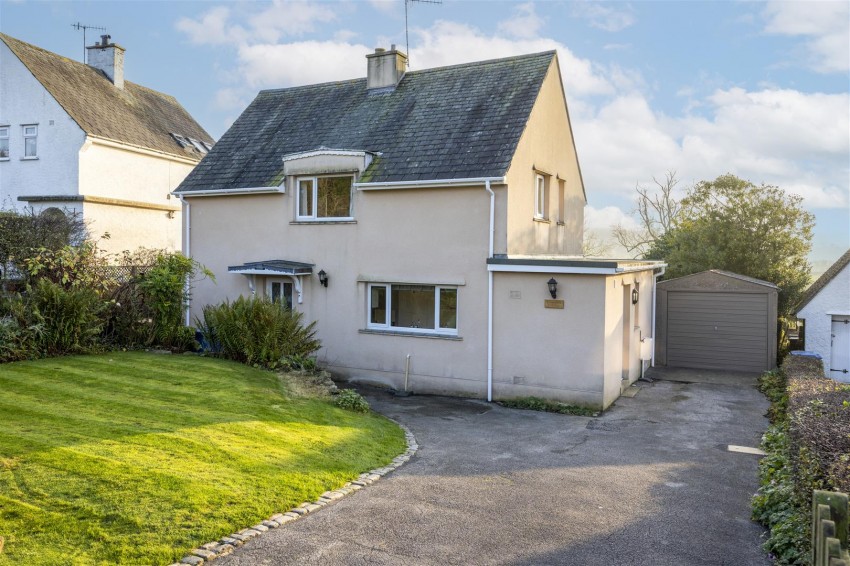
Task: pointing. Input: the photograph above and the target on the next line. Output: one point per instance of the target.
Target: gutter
(230, 192)
(430, 184)
(97, 140)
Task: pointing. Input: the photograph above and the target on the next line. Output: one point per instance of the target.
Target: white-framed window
(562, 202)
(280, 290)
(323, 198)
(4, 142)
(412, 308)
(30, 132)
(541, 196)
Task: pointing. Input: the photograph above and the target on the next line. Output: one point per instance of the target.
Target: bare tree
(592, 245)
(656, 209)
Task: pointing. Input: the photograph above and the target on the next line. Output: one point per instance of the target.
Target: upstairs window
(413, 308)
(324, 198)
(30, 141)
(541, 197)
(4, 142)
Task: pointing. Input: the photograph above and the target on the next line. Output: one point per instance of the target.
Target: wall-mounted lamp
(323, 278)
(635, 296)
(553, 288)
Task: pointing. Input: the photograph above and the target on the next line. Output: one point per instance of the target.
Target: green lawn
(134, 458)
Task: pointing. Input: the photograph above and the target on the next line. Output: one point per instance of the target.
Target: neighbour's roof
(134, 115)
(462, 121)
(824, 280)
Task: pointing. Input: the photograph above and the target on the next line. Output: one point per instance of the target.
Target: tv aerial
(406, 34)
(78, 26)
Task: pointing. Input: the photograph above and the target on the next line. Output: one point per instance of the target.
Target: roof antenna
(406, 35)
(78, 26)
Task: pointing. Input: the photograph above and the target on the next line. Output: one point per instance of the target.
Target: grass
(538, 404)
(134, 458)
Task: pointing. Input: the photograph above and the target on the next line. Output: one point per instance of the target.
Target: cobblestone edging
(226, 544)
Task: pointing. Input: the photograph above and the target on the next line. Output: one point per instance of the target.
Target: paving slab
(650, 482)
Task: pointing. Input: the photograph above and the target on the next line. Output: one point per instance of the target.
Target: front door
(839, 359)
(280, 290)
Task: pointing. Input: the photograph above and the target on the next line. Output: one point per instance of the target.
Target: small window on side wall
(541, 197)
(30, 141)
(4, 142)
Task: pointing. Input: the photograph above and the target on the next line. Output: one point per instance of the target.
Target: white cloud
(825, 25)
(385, 6)
(212, 28)
(300, 63)
(524, 23)
(604, 16)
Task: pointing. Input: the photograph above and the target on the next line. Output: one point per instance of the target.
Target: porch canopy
(275, 268)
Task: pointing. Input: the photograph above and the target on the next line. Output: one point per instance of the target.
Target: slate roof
(824, 280)
(135, 115)
(460, 121)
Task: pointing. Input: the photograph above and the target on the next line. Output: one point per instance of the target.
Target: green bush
(538, 404)
(257, 331)
(807, 448)
(351, 400)
(16, 342)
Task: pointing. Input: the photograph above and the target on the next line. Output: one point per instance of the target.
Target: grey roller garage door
(717, 330)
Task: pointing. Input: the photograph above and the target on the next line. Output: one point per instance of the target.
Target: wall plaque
(554, 303)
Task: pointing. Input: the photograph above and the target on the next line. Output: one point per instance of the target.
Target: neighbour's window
(324, 198)
(541, 196)
(562, 203)
(4, 142)
(30, 141)
(414, 308)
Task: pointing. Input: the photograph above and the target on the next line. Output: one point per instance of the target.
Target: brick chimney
(384, 69)
(109, 58)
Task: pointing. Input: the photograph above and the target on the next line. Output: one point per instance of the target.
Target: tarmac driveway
(650, 482)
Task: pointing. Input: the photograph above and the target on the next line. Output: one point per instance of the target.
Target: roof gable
(134, 115)
(824, 280)
(462, 121)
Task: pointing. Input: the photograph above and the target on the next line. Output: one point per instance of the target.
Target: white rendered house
(826, 311)
(81, 138)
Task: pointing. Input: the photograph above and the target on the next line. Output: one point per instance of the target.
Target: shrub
(351, 400)
(257, 332)
(538, 404)
(807, 449)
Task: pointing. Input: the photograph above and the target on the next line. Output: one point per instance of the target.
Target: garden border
(226, 544)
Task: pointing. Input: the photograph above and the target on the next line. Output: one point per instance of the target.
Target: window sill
(4, 159)
(436, 335)
(543, 220)
(336, 221)
(561, 223)
(29, 158)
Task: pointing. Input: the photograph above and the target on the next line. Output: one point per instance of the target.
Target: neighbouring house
(825, 311)
(717, 320)
(81, 139)
(431, 222)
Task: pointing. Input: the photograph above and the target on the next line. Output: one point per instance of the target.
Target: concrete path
(649, 483)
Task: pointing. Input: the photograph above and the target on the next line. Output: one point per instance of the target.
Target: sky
(757, 89)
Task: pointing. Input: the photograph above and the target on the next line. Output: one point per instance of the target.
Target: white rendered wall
(832, 299)
(113, 173)
(23, 100)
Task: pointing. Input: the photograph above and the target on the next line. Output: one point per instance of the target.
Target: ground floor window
(281, 292)
(415, 308)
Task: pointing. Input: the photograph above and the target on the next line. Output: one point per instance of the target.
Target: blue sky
(758, 89)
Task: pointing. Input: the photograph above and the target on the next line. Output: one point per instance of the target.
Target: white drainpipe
(654, 288)
(187, 247)
(490, 294)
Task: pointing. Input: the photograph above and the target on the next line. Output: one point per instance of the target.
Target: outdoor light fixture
(323, 278)
(635, 296)
(553, 288)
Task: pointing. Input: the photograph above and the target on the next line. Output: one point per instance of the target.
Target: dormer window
(324, 198)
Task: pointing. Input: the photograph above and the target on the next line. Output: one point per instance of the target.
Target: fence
(829, 529)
